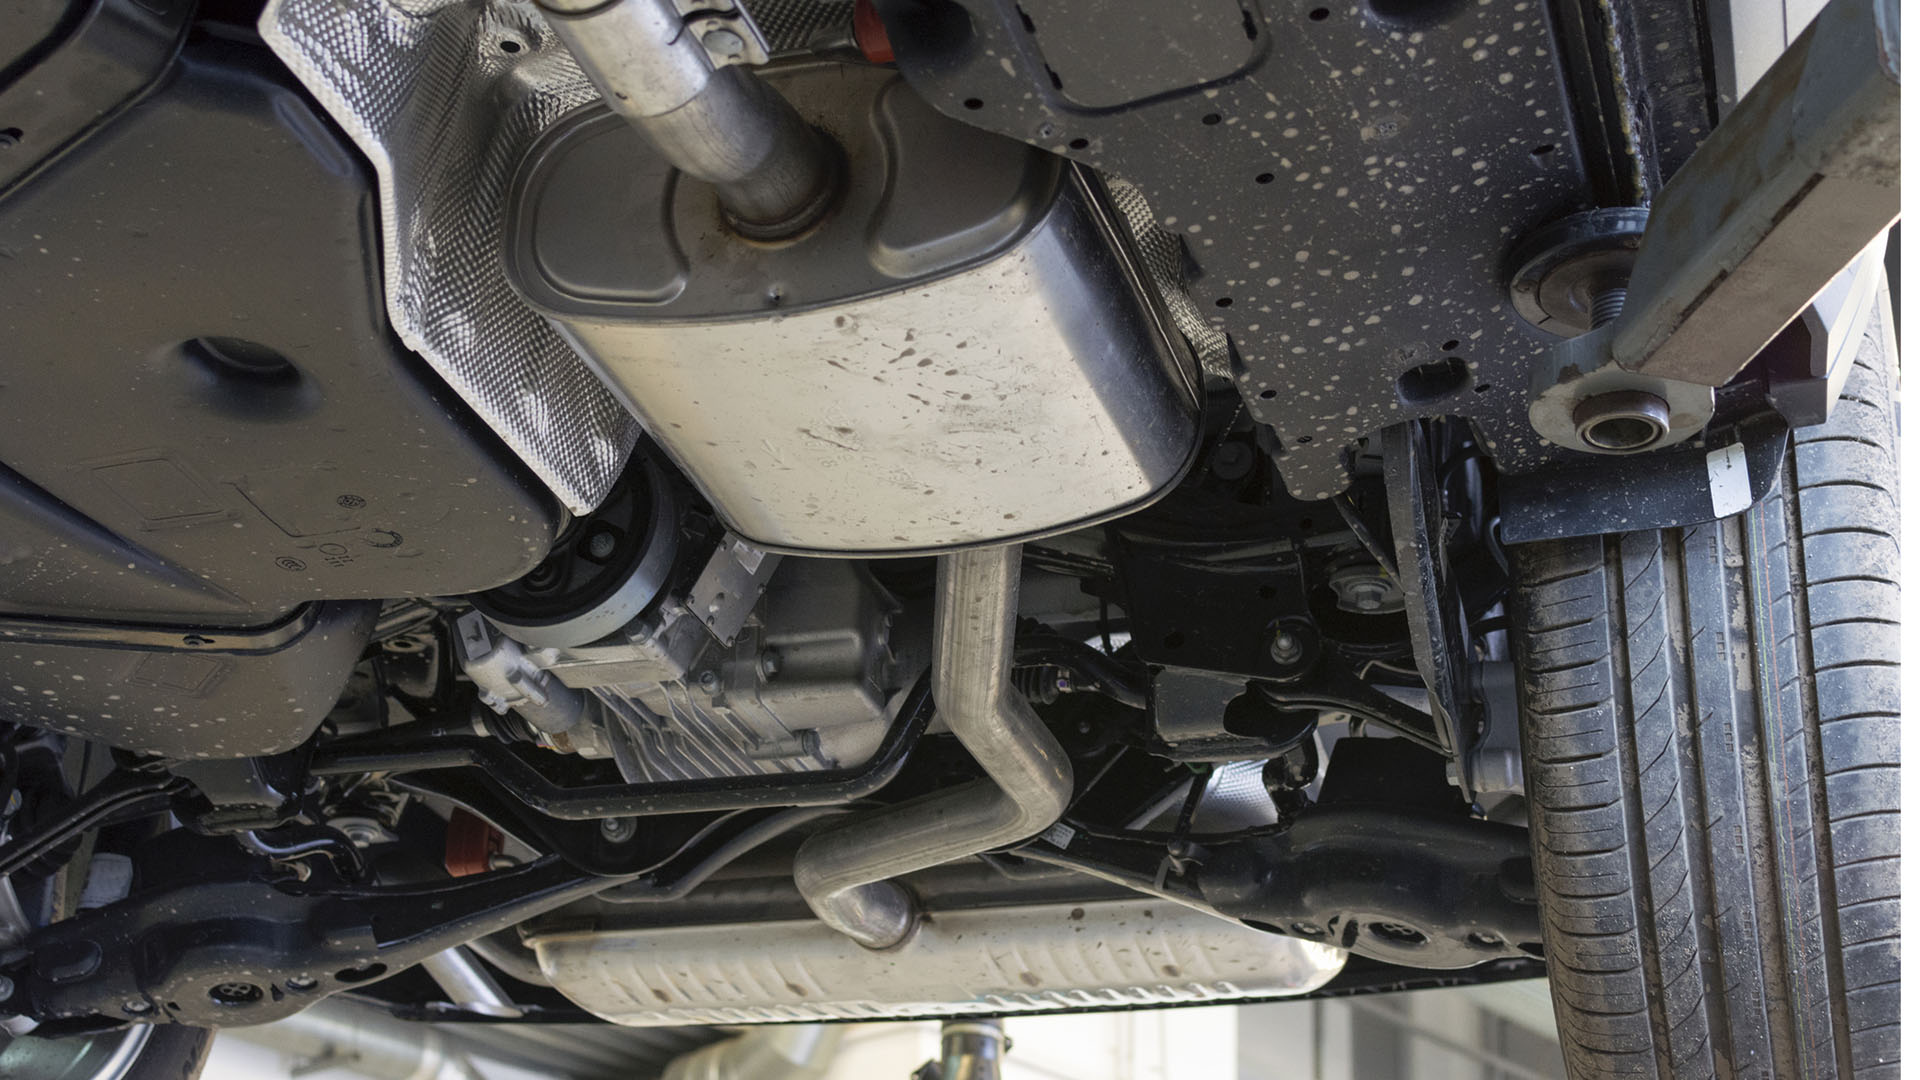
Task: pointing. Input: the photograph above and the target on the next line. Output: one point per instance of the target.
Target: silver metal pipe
(365, 1039)
(467, 983)
(786, 1052)
(843, 869)
(504, 951)
(774, 174)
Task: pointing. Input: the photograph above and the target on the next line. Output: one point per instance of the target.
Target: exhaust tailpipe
(774, 175)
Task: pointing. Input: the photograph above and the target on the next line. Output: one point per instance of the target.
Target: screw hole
(1304, 440)
(1319, 14)
(1210, 119)
(1482, 388)
(1077, 144)
(1225, 301)
(10, 137)
(974, 103)
(1413, 14)
(1269, 395)
(1264, 178)
(1449, 345)
(1543, 151)
(510, 46)
(1437, 381)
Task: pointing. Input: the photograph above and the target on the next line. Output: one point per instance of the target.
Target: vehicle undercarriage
(684, 514)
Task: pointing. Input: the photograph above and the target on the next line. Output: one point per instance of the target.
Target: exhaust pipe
(773, 173)
(843, 870)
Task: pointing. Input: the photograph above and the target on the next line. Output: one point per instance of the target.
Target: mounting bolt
(6, 988)
(1365, 590)
(770, 663)
(1287, 648)
(1571, 276)
(136, 1007)
(618, 830)
(709, 681)
(302, 983)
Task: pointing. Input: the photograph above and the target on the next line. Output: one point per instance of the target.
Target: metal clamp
(729, 35)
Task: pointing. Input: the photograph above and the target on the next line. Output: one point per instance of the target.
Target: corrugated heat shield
(444, 98)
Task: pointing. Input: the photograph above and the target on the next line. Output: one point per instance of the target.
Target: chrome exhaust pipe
(773, 173)
(843, 870)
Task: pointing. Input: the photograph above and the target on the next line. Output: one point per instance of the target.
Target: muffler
(983, 961)
(959, 349)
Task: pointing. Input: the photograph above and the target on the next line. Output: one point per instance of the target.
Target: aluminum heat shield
(444, 97)
(1097, 954)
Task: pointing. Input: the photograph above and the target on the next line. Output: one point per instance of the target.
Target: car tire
(156, 1052)
(1710, 719)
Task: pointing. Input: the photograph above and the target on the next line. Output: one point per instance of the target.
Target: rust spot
(1170, 971)
(1077, 913)
(1030, 978)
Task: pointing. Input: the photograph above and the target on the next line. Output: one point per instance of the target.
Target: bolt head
(136, 1007)
(618, 830)
(601, 545)
(6, 988)
(1287, 648)
(302, 983)
(709, 681)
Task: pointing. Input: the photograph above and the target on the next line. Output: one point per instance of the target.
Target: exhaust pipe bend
(843, 870)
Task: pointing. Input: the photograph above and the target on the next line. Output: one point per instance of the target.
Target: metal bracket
(1492, 767)
(730, 586)
(728, 34)
(1735, 468)
(1808, 363)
